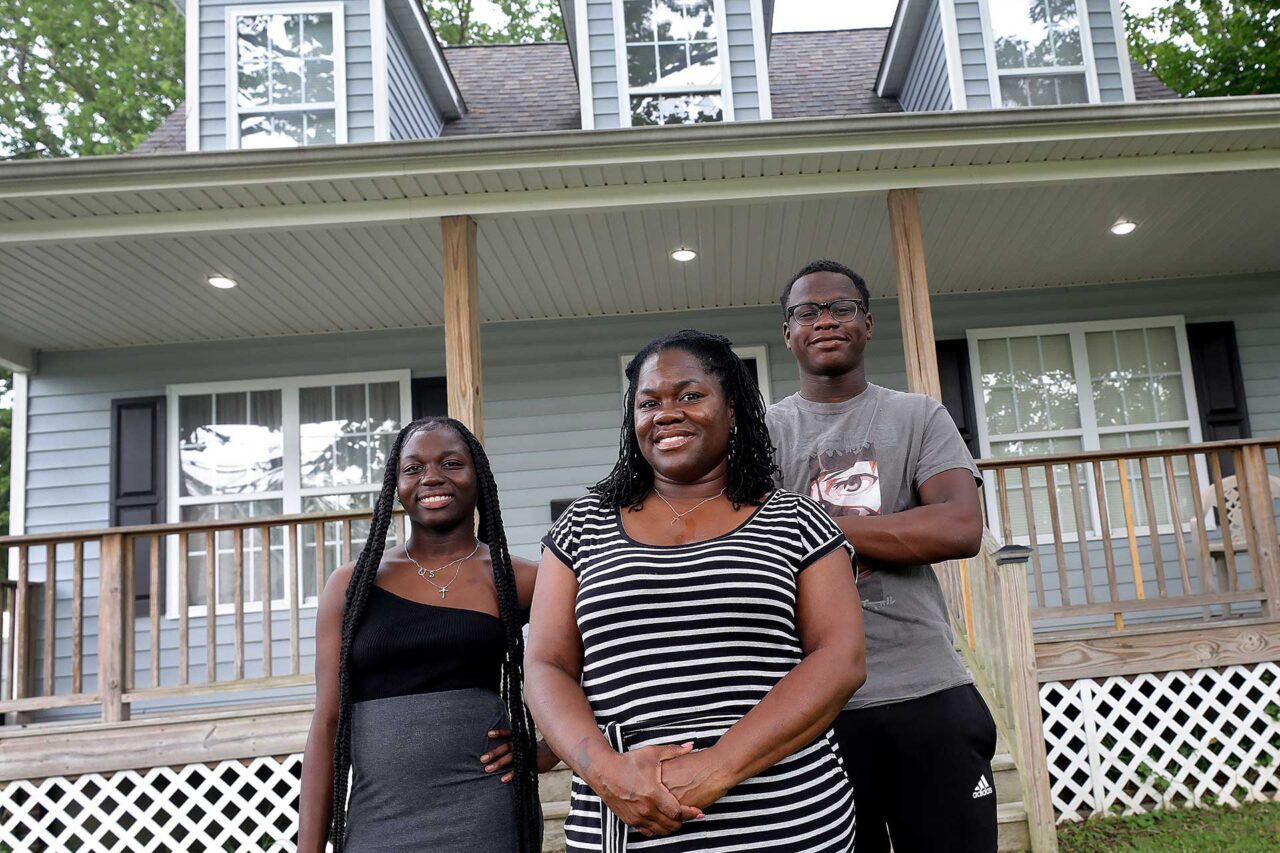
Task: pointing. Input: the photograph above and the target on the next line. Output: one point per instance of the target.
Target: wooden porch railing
(1197, 522)
(142, 594)
(987, 598)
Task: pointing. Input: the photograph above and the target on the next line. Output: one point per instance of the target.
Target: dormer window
(673, 64)
(1040, 56)
(285, 70)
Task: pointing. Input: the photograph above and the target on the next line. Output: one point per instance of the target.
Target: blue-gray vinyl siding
(1107, 54)
(552, 398)
(743, 73)
(213, 70)
(927, 86)
(603, 59)
(740, 51)
(410, 112)
(973, 54)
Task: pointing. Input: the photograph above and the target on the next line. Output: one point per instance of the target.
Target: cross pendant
(443, 593)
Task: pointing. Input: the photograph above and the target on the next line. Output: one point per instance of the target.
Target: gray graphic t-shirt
(869, 456)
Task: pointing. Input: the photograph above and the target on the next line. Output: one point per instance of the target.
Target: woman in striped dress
(694, 633)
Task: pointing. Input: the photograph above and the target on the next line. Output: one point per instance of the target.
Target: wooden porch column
(111, 628)
(462, 322)
(913, 294)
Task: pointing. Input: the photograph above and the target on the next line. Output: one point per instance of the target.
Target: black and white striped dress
(679, 642)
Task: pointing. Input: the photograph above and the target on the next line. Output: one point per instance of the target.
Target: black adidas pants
(921, 772)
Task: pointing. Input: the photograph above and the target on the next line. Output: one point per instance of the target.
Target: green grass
(1253, 828)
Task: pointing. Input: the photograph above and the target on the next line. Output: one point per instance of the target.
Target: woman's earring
(733, 441)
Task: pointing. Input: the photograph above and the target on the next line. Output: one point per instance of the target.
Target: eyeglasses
(841, 310)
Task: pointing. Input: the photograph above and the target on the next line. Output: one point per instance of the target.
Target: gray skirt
(417, 781)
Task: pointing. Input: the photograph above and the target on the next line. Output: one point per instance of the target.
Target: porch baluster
(211, 608)
(1055, 523)
(50, 617)
(111, 627)
(1082, 542)
(184, 604)
(1175, 515)
(1153, 529)
(264, 585)
(77, 618)
(1100, 491)
(237, 585)
(292, 578)
(1267, 556)
(153, 611)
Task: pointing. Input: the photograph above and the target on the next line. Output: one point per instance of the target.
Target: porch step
(1014, 835)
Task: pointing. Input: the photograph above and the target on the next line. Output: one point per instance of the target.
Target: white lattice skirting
(231, 805)
(1131, 744)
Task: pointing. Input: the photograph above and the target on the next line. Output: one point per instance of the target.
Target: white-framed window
(755, 358)
(286, 80)
(672, 62)
(1039, 53)
(276, 447)
(1073, 387)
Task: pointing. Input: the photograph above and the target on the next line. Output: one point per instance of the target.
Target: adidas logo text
(983, 788)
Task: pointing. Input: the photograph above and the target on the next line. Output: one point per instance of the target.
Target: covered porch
(519, 270)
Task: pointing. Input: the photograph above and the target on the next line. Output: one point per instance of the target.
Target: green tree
(86, 76)
(6, 435)
(1210, 47)
(455, 21)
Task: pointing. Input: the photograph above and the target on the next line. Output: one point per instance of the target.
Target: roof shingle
(831, 73)
(512, 88)
(532, 87)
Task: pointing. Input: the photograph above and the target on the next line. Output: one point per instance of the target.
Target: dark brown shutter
(429, 396)
(957, 389)
(1215, 366)
(137, 477)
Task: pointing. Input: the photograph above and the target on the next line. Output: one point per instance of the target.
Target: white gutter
(639, 145)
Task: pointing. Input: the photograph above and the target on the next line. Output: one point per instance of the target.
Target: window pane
(676, 109)
(384, 406)
(319, 80)
(704, 64)
(317, 35)
(673, 59)
(224, 448)
(700, 20)
(224, 545)
(1135, 376)
(349, 408)
(1162, 347)
(321, 129)
(993, 355)
(1002, 417)
(638, 15)
(286, 81)
(195, 413)
(1035, 33)
(642, 68)
(668, 20)
(286, 34)
(1039, 484)
(331, 552)
(1043, 91)
(283, 130)
(351, 461)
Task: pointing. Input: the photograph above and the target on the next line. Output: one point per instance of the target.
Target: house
(349, 225)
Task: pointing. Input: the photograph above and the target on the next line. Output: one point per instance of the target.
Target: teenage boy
(893, 472)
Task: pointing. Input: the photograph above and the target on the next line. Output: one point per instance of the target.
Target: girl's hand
(500, 757)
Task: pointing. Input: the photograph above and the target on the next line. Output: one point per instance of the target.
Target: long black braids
(751, 453)
(523, 743)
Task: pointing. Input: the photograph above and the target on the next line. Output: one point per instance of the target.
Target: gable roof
(532, 87)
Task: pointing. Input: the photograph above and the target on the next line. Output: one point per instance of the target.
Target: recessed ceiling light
(1123, 227)
(683, 255)
(222, 282)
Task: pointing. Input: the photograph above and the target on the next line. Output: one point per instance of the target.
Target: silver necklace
(679, 516)
(429, 575)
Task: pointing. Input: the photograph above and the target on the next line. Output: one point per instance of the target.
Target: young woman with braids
(695, 632)
(419, 656)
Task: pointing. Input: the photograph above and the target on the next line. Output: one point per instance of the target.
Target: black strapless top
(404, 647)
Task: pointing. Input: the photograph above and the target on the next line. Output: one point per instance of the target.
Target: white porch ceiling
(152, 290)
(115, 251)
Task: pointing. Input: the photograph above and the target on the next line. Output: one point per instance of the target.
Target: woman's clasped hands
(656, 789)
